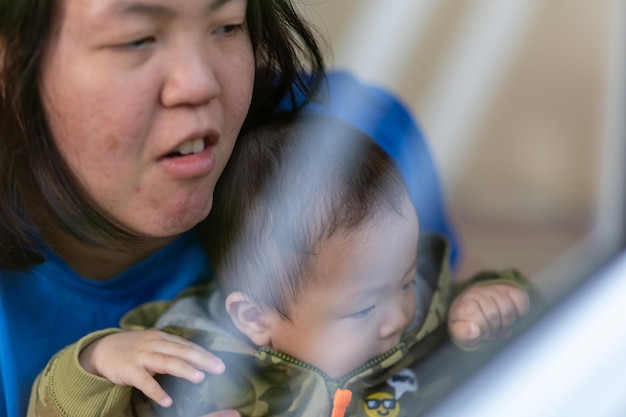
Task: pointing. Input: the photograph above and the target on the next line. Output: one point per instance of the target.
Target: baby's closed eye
(362, 313)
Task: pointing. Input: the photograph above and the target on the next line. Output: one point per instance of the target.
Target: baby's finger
(481, 308)
(507, 311)
(492, 313)
(161, 363)
(513, 304)
(146, 383)
(191, 353)
(465, 333)
(521, 300)
(224, 413)
(468, 310)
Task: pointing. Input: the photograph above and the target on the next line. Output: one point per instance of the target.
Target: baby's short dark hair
(288, 187)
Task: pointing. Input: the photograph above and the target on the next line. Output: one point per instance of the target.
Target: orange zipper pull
(340, 402)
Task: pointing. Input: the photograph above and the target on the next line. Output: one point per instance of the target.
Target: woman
(117, 117)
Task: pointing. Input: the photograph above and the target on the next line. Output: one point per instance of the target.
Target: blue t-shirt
(50, 307)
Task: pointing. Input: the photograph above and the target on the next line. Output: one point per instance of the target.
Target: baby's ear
(249, 318)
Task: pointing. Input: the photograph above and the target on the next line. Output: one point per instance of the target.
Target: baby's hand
(133, 358)
(485, 312)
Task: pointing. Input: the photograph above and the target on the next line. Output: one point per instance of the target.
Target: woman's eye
(229, 29)
(139, 44)
(363, 313)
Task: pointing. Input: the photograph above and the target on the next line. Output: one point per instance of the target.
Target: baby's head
(314, 241)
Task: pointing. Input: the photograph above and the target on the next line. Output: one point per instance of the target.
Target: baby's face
(362, 299)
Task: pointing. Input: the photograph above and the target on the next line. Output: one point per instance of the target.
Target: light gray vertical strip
(608, 229)
(610, 216)
(381, 37)
(471, 73)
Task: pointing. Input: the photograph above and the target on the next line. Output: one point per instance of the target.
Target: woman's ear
(249, 318)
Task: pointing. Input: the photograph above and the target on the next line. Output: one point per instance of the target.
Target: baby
(324, 281)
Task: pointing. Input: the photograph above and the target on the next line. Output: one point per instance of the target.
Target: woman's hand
(484, 312)
(133, 358)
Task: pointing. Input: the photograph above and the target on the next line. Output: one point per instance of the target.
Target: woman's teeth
(192, 146)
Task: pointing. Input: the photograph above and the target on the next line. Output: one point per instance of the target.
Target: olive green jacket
(262, 382)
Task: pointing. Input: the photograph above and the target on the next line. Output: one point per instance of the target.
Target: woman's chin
(169, 227)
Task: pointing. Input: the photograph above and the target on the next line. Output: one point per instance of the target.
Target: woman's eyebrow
(216, 4)
(157, 11)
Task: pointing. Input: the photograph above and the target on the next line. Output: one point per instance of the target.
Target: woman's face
(144, 99)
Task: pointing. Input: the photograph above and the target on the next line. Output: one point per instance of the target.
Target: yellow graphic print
(381, 404)
(385, 404)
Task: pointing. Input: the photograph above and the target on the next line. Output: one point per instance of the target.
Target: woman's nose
(191, 79)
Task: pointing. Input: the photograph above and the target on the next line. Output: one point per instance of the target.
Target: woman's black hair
(35, 181)
(292, 64)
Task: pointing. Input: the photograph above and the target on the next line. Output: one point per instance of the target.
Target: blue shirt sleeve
(386, 119)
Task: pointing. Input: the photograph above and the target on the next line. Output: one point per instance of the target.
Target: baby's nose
(397, 321)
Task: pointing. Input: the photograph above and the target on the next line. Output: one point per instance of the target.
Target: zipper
(331, 383)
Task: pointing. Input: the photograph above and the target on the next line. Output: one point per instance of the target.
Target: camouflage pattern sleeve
(506, 276)
(65, 389)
